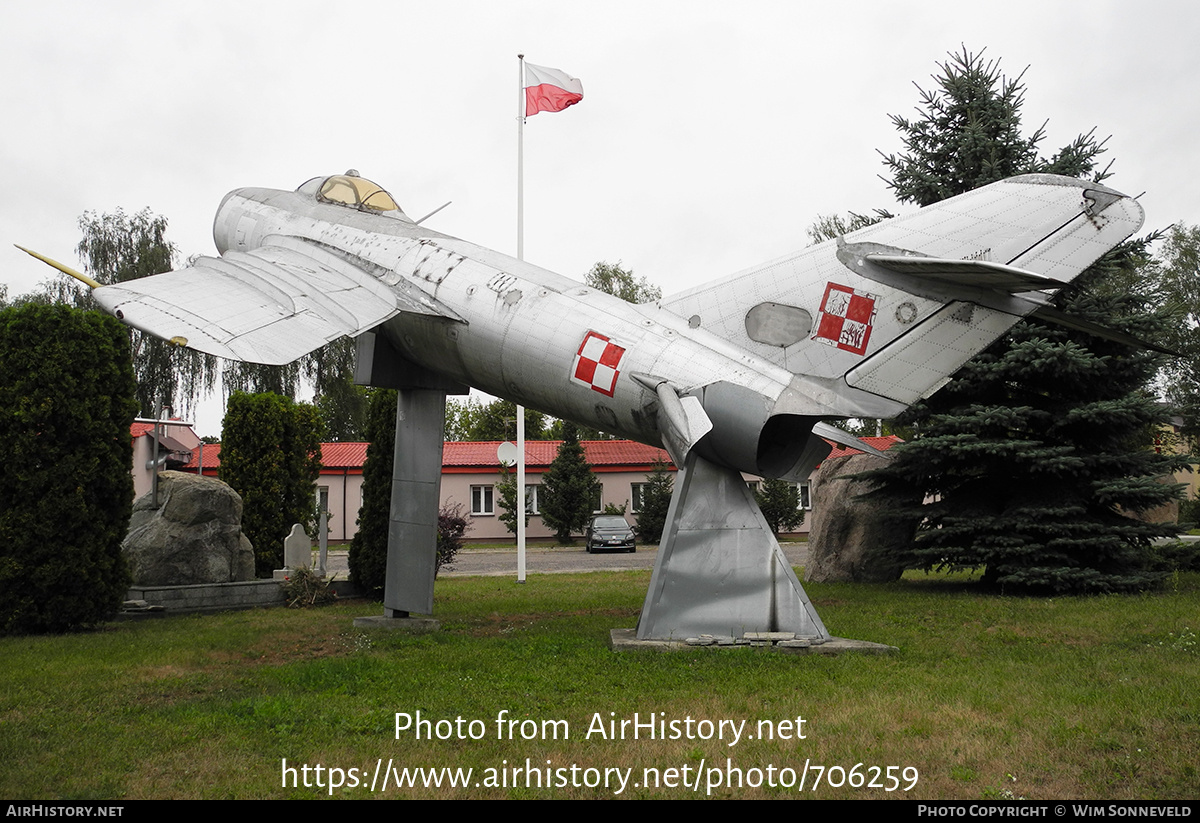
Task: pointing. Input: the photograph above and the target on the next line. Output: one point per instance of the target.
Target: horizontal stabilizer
(1048, 314)
(271, 305)
(845, 438)
(979, 274)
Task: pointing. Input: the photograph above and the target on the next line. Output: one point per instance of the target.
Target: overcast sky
(709, 137)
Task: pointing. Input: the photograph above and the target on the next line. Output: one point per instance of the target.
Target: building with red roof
(470, 474)
(177, 442)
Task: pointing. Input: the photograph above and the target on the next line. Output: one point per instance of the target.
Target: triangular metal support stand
(719, 570)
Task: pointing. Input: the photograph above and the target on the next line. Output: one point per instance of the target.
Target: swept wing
(269, 305)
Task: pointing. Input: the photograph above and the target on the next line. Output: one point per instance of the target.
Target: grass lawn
(1064, 698)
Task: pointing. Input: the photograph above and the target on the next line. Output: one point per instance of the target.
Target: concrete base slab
(626, 640)
(211, 597)
(412, 625)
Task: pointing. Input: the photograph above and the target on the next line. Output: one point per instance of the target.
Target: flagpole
(521, 256)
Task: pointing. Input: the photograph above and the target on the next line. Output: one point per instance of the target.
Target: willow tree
(117, 247)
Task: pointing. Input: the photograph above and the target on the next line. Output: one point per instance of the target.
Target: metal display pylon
(719, 570)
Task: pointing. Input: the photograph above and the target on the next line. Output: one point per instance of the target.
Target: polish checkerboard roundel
(597, 363)
(846, 318)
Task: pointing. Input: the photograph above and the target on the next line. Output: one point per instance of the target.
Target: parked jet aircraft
(732, 376)
(742, 368)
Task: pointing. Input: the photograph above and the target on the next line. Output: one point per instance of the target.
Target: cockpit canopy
(354, 192)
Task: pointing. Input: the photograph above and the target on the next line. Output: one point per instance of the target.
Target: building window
(482, 500)
(802, 492)
(637, 492)
(598, 500)
(531, 500)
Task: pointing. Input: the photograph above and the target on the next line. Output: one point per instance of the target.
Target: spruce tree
(510, 500)
(1037, 453)
(779, 502)
(968, 134)
(656, 500)
(568, 488)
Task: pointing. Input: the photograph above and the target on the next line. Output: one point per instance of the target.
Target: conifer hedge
(271, 456)
(67, 398)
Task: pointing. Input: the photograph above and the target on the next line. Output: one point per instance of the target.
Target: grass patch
(1090, 697)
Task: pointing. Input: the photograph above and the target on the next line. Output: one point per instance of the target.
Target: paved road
(503, 562)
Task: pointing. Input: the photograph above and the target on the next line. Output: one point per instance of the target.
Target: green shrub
(271, 456)
(452, 526)
(66, 401)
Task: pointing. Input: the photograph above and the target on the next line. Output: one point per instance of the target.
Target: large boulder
(194, 535)
(849, 538)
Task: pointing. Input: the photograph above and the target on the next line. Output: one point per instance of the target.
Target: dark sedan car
(610, 532)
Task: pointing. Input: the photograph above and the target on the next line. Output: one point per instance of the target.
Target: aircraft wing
(270, 305)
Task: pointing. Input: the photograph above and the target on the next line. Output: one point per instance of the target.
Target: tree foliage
(1037, 451)
(471, 420)
(968, 134)
(612, 279)
(584, 432)
(368, 549)
(833, 226)
(452, 530)
(1035, 457)
(568, 488)
(271, 456)
(1176, 274)
(779, 502)
(656, 500)
(344, 406)
(66, 402)
(511, 502)
(115, 248)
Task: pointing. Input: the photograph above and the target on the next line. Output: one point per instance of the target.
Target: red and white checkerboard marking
(597, 363)
(845, 319)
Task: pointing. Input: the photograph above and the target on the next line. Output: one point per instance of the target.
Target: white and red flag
(549, 89)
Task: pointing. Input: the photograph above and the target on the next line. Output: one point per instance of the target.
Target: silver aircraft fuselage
(743, 369)
(518, 331)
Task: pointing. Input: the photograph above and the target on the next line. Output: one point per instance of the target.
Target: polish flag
(549, 89)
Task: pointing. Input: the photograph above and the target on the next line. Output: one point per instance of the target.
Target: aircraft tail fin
(894, 309)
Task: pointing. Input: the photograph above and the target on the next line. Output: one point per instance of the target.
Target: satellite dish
(506, 453)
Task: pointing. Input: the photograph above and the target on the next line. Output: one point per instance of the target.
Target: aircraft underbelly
(552, 348)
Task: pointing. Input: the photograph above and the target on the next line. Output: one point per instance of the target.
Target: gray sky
(709, 136)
